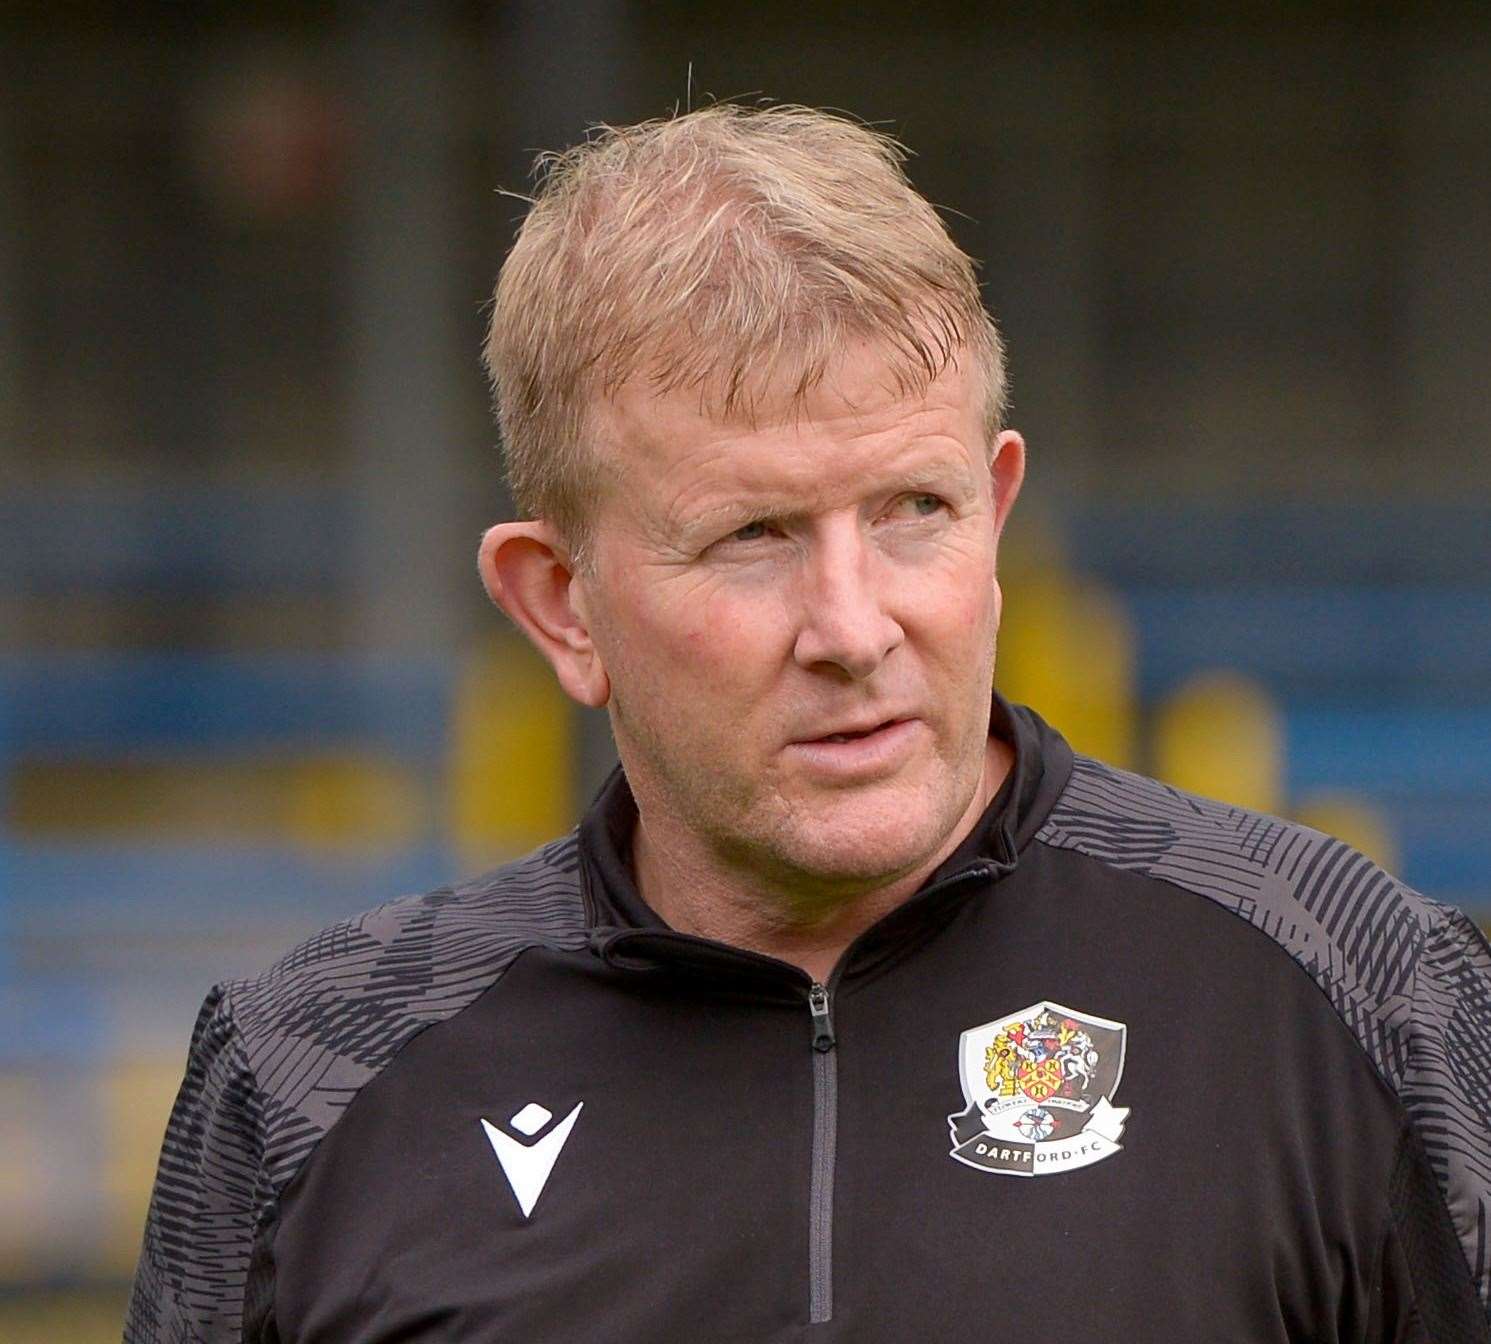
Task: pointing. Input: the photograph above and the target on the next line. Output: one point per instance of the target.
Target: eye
(746, 536)
(920, 506)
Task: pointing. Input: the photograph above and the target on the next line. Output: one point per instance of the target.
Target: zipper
(645, 949)
(826, 1120)
(825, 1144)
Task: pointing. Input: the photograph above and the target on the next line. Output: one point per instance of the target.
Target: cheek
(714, 637)
(961, 604)
(972, 600)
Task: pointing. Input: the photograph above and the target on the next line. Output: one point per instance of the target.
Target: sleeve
(1439, 1268)
(204, 1210)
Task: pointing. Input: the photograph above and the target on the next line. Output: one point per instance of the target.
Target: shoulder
(1363, 935)
(275, 1061)
(409, 956)
(327, 1017)
(1410, 977)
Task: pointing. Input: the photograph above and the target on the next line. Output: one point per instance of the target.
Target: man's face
(798, 620)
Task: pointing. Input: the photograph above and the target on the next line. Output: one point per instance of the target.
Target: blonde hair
(734, 249)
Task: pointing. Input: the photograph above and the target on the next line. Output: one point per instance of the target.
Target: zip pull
(823, 1023)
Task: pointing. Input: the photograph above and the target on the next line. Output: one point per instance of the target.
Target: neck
(695, 896)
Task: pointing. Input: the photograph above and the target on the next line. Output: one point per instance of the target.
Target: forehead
(676, 449)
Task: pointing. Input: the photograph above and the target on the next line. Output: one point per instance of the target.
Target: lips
(854, 754)
(848, 734)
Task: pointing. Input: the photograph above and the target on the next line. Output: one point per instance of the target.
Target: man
(857, 1008)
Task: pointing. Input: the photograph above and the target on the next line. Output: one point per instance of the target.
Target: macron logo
(527, 1162)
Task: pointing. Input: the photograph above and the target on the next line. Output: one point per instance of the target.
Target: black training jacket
(1131, 1066)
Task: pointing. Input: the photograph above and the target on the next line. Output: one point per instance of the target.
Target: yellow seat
(1067, 649)
(1220, 735)
(512, 759)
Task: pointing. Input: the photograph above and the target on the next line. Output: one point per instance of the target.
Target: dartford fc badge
(1039, 1086)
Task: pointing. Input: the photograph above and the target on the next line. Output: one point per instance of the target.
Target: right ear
(527, 571)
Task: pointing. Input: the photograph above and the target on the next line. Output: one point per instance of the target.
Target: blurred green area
(93, 1315)
(248, 683)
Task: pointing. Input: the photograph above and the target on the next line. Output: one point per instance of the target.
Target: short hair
(731, 248)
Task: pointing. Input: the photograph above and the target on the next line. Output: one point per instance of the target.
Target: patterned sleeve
(1410, 977)
(1446, 1084)
(199, 1233)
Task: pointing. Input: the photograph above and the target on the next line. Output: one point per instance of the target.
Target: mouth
(857, 734)
(859, 753)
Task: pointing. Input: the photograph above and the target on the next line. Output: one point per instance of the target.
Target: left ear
(1007, 470)
(527, 571)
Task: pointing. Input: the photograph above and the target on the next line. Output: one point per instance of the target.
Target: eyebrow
(943, 476)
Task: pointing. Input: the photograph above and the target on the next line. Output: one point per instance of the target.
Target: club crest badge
(1039, 1086)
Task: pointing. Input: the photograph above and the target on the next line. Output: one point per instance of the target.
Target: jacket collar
(1042, 765)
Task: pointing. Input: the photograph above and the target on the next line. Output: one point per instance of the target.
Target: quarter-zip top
(1092, 1077)
(646, 949)
(652, 948)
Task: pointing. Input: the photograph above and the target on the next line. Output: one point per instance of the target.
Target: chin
(887, 827)
(877, 845)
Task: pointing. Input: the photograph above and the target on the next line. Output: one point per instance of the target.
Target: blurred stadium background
(248, 682)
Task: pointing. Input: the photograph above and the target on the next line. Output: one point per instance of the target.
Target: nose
(844, 622)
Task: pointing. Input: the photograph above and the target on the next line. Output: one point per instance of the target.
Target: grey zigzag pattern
(1410, 976)
(275, 1061)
